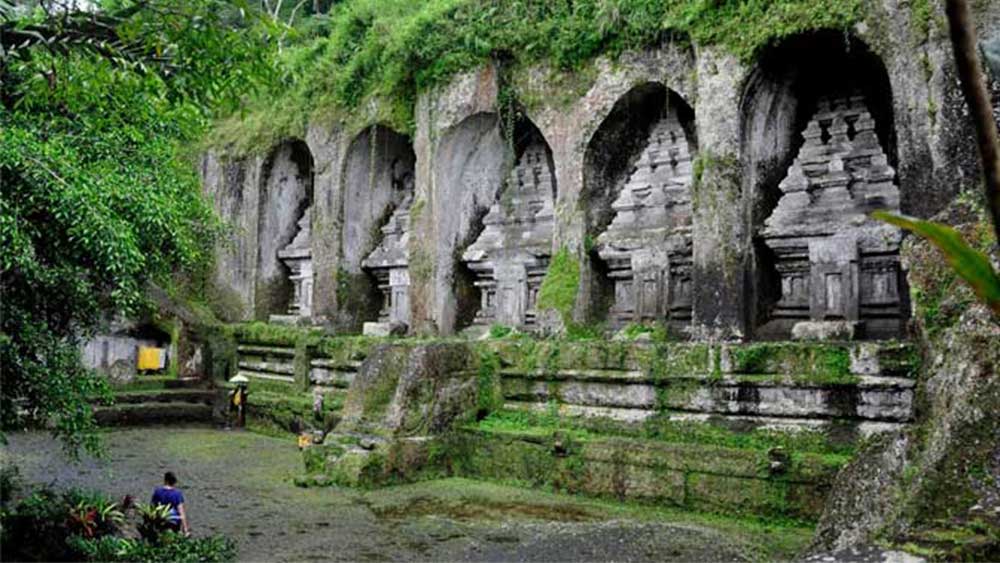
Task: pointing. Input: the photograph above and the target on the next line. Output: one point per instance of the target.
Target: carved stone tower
(389, 263)
(647, 247)
(297, 256)
(511, 255)
(838, 268)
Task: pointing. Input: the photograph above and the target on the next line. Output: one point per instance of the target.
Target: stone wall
(743, 123)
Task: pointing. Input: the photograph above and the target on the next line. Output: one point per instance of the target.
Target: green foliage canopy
(389, 50)
(97, 198)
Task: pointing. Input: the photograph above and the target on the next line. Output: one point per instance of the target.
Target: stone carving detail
(389, 263)
(835, 263)
(511, 255)
(297, 256)
(647, 246)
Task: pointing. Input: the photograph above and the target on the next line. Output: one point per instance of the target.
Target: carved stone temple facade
(796, 145)
(511, 255)
(389, 264)
(647, 247)
(297, 256)
(837, 266)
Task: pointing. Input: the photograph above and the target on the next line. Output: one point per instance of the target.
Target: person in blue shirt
(170, 496)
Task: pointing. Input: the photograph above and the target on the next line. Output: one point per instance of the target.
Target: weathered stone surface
(834, 262)
(389, 263)
(285, 201)
(647, 246)
(946, 472)
(747, 118)
(410, 390)
(232, 186)
(297, 257)
(512, 253)
(825, 330)
(378, 330)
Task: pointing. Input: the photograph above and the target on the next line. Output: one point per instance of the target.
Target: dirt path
(239, 484)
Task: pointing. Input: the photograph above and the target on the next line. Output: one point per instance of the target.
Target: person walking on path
(171, 496)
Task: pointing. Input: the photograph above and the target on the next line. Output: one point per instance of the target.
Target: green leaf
(970, 264)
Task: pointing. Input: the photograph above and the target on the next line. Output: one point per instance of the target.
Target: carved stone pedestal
(297, 256)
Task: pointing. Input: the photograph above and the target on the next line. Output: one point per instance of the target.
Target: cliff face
(779, 131)
(742, 121)
(936, 485)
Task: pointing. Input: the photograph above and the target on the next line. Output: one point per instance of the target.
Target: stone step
(138, 414)
(693, 476)
(328, 363)
(634, 420)
(870, 398)
(276, 368)
(888, 358)
(261, 350)
(614, 376)
(185, 383)
(203, 396)
(329, 377)
(266, 376)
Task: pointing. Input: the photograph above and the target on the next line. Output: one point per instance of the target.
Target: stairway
(758, 428)
(159, 401)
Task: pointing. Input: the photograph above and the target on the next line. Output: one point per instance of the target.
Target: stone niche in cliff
(645, 252)
(389, 264)
(835, 263)
(511, 254)
(284, 260)
(818, 137)
(297, 257)
(471, 161)
(378, 191)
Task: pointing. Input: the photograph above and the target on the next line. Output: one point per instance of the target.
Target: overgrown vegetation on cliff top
(367, 59)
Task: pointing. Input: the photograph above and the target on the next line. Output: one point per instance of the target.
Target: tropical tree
(98, 198)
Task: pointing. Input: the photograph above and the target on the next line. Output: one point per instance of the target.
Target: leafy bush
(155, 520)
(171, 547)
(38, 526)
(10, 483)
(85, 526)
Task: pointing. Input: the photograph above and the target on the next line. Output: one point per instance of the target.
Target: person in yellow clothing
(237, 402)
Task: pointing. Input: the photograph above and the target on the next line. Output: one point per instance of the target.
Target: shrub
(10, 483)
(155, 520)
(171, 547)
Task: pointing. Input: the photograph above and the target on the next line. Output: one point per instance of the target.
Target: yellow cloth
(149, 358)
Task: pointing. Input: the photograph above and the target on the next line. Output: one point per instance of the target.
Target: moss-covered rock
(945, 471)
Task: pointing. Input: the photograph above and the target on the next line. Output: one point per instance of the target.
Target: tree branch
(971, 76)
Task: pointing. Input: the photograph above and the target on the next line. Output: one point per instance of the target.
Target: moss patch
(560, 285)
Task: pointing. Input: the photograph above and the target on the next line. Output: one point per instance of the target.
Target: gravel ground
(239, 484)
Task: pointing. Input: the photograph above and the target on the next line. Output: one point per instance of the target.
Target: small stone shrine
(838, 267)
(647, 246)
(389, 264)
(511, 255)
(297, 257)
